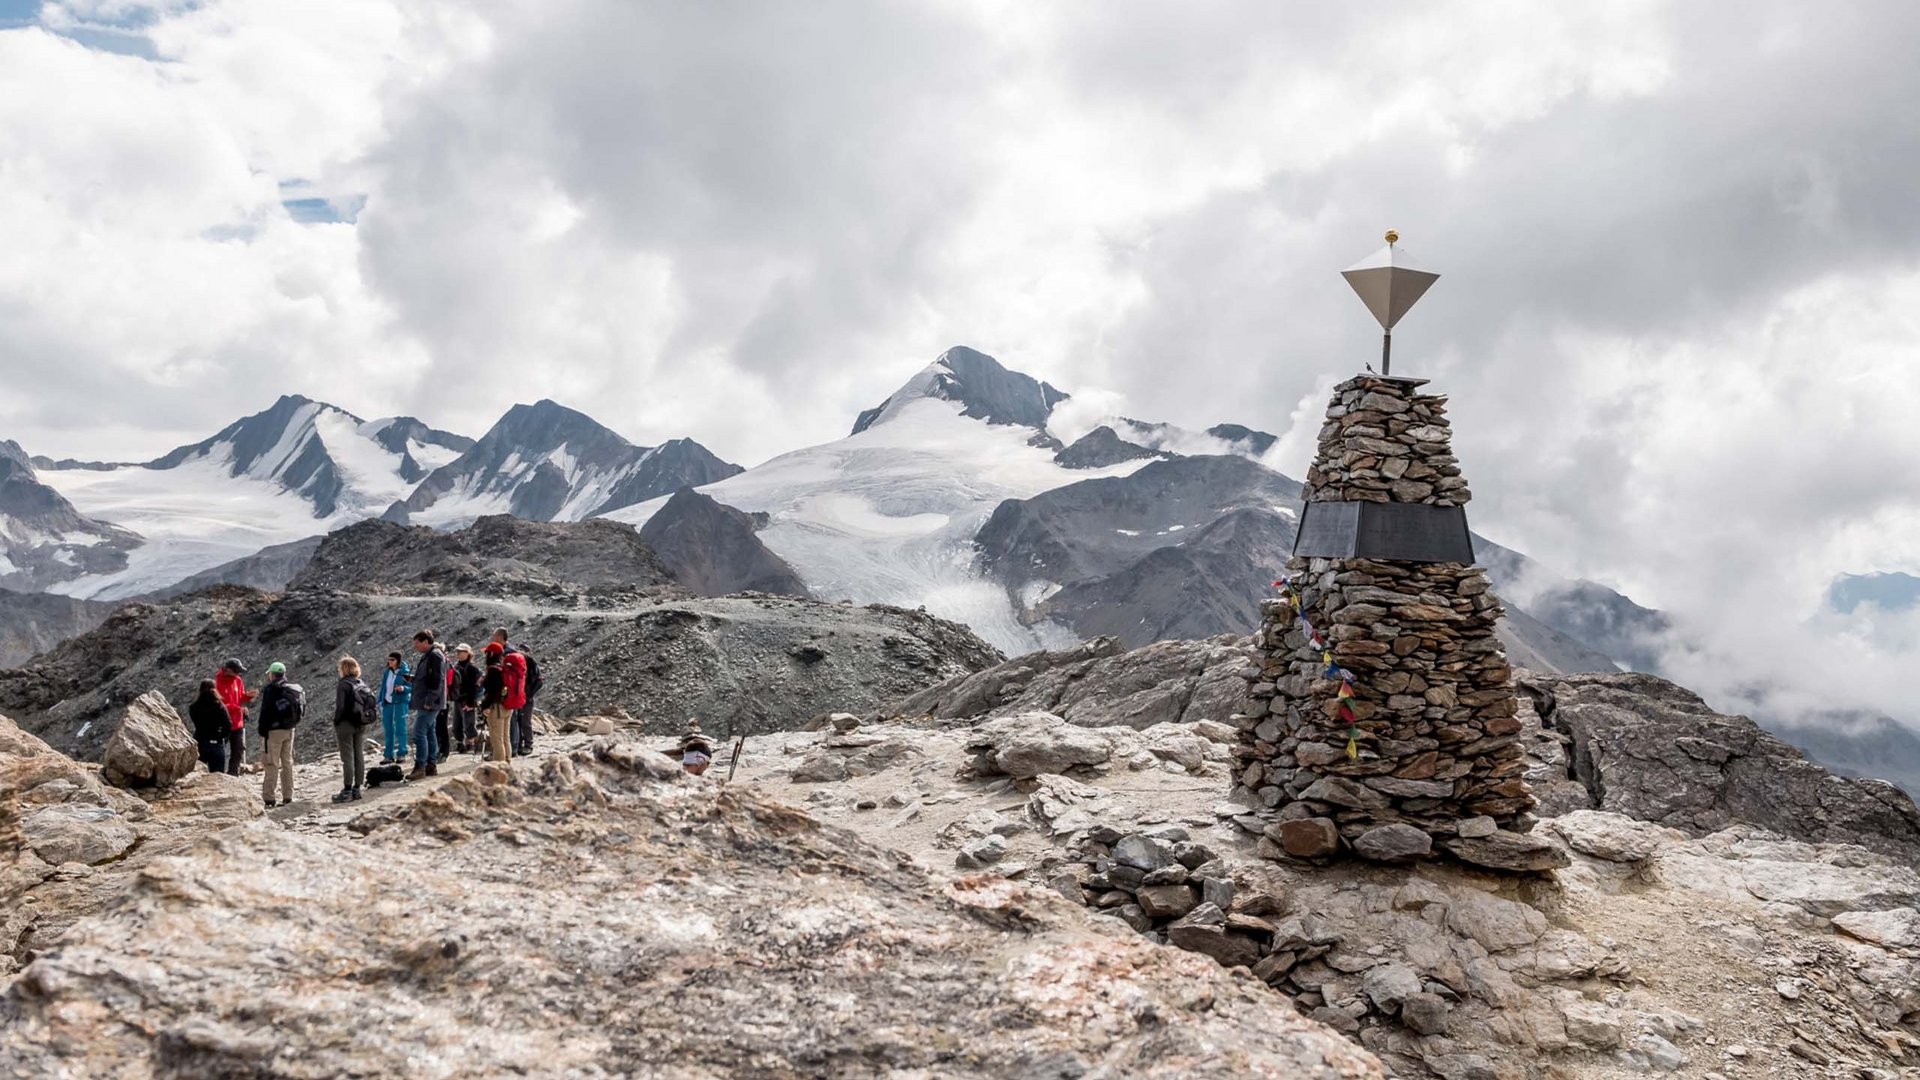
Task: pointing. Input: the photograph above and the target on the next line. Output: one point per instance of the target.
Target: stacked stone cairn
(1436, 757)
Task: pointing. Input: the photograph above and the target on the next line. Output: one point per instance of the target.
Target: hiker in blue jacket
(396, 696)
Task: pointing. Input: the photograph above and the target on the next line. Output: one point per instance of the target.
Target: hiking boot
(433, 768)
(418, 772)
(269, 804)
(356, 794)
(345, 794)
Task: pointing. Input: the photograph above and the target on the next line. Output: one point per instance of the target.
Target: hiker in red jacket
(513, 670)
(234, 694)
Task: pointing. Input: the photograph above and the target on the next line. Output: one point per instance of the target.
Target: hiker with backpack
(429, 695)
(493, 701)
(354, 708)
(466, 700)
(516, 659)
(396, 687)
(282, 704)
(212, 726)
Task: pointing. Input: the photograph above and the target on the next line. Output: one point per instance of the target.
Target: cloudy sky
(1679, 317)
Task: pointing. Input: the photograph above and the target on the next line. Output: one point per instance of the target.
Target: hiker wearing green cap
(282, 704)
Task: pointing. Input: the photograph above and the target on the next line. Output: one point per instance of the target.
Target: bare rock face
(704, 930)
(151, 747)
(1651, 750)
(1100, 683)
(70, 842)
(76, 833)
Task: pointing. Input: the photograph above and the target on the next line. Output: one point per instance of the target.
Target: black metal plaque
(1408, 532)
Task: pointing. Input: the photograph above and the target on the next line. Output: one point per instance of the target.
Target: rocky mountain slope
(711, 549)
(1060, 895)
(33, 622)
(590, 600)
(816, 952)
(43, 539)
(1723, 953)
(501, 556)
(547, 462)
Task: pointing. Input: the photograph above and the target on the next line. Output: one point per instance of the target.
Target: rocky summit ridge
(703, 931)
(1027, 870)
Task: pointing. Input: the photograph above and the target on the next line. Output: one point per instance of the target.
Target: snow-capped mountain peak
(985, 389)
(43, 539)
(298, 468)
(547, 462)
(323, 453)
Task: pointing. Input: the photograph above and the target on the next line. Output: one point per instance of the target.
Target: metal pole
(1386, 353)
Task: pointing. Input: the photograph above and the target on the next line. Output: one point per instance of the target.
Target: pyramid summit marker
(1389, 288)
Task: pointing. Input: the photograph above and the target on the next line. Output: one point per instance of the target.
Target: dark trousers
(236, 750)
(441, 729)
(214, 753)
(523, 728)
(465, 731)
(353, 754)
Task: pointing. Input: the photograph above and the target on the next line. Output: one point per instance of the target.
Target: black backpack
(533, 674)
(365, 707)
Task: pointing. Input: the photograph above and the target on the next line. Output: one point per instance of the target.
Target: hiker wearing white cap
(466, 700)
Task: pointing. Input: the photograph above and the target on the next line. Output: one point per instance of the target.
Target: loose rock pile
(1436, 752)
(1175, 891)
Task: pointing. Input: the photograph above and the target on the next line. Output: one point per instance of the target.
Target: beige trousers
(498, 746)
(279, 763)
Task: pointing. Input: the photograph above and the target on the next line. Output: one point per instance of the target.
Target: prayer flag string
(1332, 670)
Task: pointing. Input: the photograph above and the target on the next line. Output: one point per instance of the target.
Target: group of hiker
(429, 705)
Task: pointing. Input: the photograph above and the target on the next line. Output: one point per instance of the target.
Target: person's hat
(234, 665)
(276, 668)
(463, 647)
(494, 648)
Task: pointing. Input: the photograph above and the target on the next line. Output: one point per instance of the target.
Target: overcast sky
(1679, 316)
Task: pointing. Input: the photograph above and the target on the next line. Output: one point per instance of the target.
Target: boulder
(1166, 901)
(1306, 838)
(1424, 1013)
(1897, 928)
(151, 747)
(1396, 842)
(1389, 984)
(76, 832)
(1503, 850)
(1036, 743)
(1143, 853)
(1230, 949)
(1609, 836)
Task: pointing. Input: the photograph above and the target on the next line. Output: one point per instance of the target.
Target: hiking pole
(739, 747)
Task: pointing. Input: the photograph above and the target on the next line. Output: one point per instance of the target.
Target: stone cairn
(1426, 751)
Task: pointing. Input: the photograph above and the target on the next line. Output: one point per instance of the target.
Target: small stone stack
(1437, 758)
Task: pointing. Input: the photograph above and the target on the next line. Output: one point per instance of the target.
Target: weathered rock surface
(1030, 744)
(703, 931)
(1650, 750)
(150, 747)
(69, 841)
